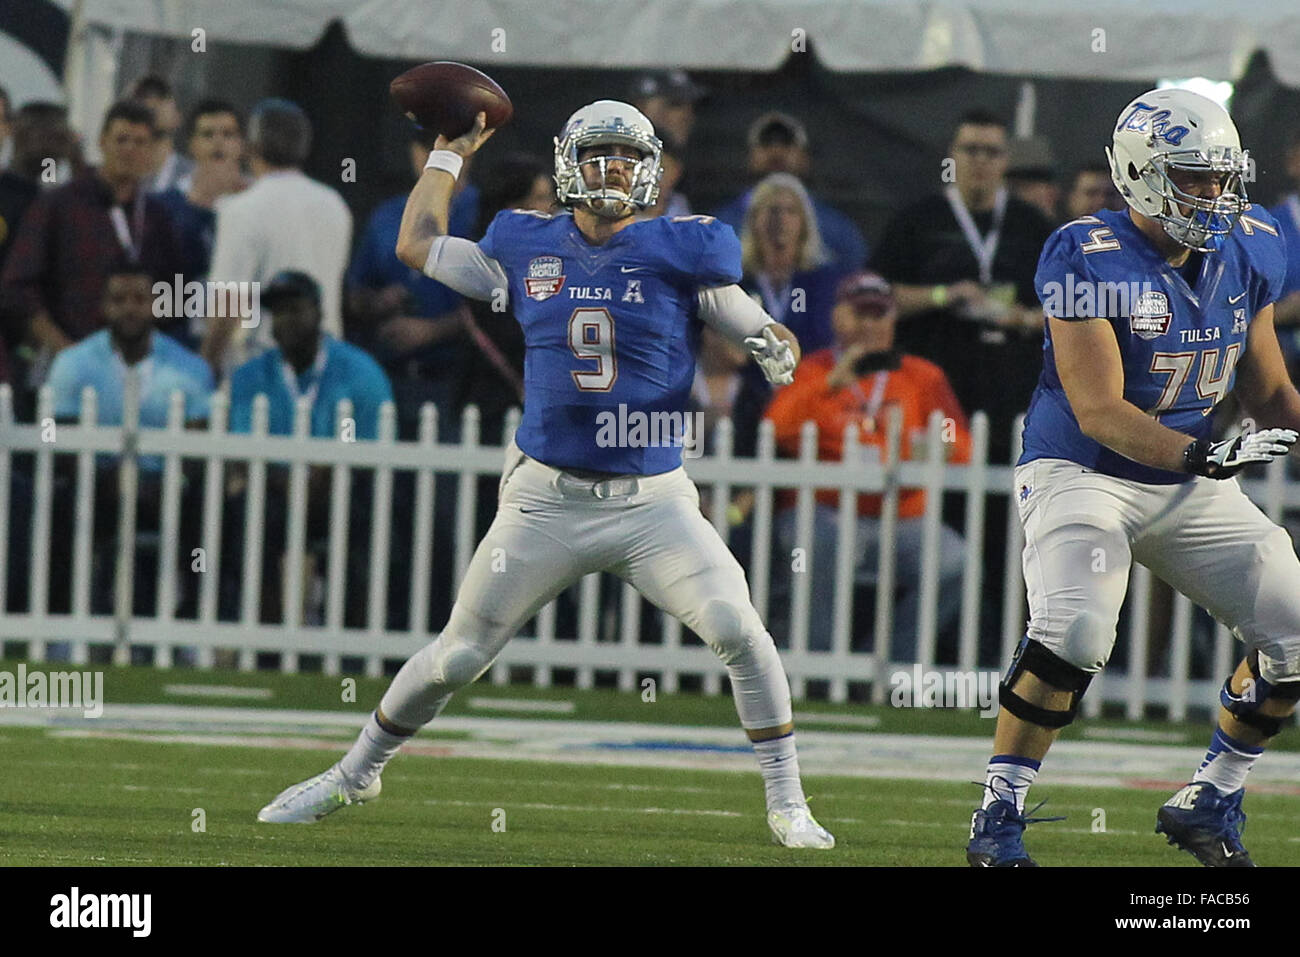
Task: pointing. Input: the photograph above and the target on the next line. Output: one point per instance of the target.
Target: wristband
(448, 161)
(1194, 457)
(939, 295)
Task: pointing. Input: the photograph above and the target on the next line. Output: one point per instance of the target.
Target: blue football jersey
(610, 333)
(1180, 342)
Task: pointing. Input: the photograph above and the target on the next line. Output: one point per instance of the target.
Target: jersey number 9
(591, 337)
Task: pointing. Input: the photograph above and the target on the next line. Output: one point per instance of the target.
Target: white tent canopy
(1137, 39)
(1110, 39)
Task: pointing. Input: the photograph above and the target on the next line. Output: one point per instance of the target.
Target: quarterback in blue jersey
(1154, 314)
(593, 480)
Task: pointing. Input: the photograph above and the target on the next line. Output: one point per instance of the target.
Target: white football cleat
(316, 797)
(793, 825)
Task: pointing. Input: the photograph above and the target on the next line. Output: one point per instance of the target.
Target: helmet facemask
(1207, 221)
(606, 201)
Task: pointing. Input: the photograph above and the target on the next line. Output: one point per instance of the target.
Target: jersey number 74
(1212, 382)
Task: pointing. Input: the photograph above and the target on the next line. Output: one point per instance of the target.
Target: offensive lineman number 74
(1211, 382)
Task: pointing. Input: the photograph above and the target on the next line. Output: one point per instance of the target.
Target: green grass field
(71, 799)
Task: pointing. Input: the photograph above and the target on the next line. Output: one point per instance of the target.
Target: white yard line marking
(218, 691)
(965, 825)
(1135, 734)
(845, 720)
(858, 754)
(531, 705)
(586, 808)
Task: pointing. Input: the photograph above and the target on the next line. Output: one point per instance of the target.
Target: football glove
(773, 356)
(1221, 460)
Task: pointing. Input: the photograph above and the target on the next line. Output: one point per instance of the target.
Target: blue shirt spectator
(167, 368)
(411, 324)
(94, 362)
(340, 371)
(375, 263)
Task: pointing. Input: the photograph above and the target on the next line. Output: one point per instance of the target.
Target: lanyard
(131, 246)
(317, 373)
(984, 248)
(774, 300)
(869, 406)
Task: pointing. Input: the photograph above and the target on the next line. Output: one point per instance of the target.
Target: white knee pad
(1085, 641)
(758, 682)
(456, 661)
(426, 682)
(727, 628)
(1272, 626)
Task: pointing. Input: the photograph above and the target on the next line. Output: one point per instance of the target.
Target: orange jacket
(918, 386)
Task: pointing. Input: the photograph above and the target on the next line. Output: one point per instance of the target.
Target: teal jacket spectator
(340, 371)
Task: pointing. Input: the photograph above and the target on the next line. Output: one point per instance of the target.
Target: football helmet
(1168, 130)
(608, 122)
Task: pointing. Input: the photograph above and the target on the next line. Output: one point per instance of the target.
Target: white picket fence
(626, 653)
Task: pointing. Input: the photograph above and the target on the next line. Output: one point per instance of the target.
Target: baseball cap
(777, 127)
(864, 286)
(673, 85)
(290, 284)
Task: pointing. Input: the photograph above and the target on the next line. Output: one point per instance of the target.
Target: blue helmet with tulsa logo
(1171, 130)
(607, 123)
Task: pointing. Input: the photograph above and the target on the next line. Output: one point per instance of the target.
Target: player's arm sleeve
(463, 266)
(732, 312)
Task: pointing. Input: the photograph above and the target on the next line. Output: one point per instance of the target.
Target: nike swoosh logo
(639, 268)
(1235, 299)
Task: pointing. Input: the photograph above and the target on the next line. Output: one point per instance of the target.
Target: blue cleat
(1206, 823)
(995, 836)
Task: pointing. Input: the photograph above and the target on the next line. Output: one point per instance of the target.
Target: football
(445, 97)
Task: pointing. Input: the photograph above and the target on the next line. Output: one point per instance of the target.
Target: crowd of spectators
(946, 318)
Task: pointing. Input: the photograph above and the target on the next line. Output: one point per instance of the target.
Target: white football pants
(552, 528)
(1204, 537)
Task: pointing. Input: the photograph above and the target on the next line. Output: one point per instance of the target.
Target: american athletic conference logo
(545, 277)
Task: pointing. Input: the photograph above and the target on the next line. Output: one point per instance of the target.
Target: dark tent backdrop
(878, 139)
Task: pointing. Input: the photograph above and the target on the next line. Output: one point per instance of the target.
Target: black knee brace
(1036, 659)
(1245, 706)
